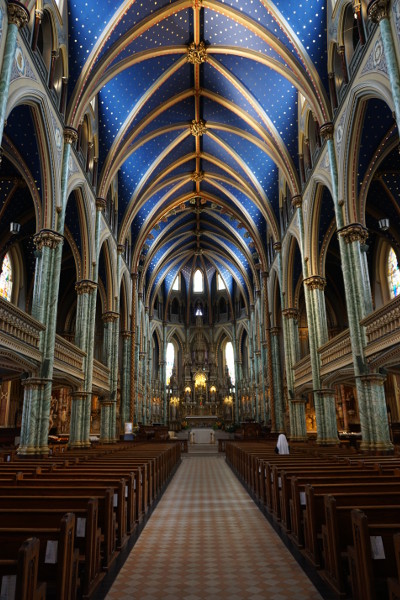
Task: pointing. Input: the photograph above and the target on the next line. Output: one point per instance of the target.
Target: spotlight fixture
(383, 224)
(15, 228)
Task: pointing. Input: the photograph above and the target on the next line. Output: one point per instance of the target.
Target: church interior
(199, 248)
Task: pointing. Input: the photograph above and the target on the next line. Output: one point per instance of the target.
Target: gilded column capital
(315, 282)
(110, 316)
(326, 130)
(126, 335)
(198, 128)
(277, 246)
(355, 232)
(373, 378)
(101, 204)
(39, 14)
(378, 10)
(34, 383)
(134, 276)
(120, 248)
(196, 53)
(197, 4)
(274, 331)
(47, 238)
(70, 134)
(297, 201)
(290, 313)
(265, 274)
(18, 14)
(85, 286)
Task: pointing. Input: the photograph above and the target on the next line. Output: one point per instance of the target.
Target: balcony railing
(19, 331)
(68, 358)
(383, 327)
(302, 372)
(336, 353)
(101, 377)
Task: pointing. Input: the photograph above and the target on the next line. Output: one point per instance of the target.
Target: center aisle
(207, 539)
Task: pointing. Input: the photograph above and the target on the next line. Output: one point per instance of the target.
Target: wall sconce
(383, 224)
(15, 228)
(174, 400)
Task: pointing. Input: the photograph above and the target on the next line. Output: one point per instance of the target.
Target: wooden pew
(87, 534)
(394, 582)
(42, 497)
(369, 573)
(58, 569)
(337, 532)
(314, 513)
(22, 572)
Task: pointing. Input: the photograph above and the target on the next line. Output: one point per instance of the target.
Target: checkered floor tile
(207, 540)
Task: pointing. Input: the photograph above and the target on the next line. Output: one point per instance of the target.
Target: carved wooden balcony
(68, 361)
(382, 329)
(19, 338)
(101, 377)
(336, 354)
(302, 373)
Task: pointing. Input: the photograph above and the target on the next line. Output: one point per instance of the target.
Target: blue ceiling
(134, 56)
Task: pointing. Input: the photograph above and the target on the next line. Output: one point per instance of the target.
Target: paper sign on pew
(51, 552)
(80, 527)
(8, 585)
(115, 502)
(377, 549)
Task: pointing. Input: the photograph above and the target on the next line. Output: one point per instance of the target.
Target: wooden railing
(383, 327)
(302, 372)
(336, 353)
(68, 358)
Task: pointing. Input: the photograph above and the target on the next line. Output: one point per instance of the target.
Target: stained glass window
(176, 285)
(393, 274)
(6, 279)
(198, 285)
(230, 361)
(170, 361)
(220, 283)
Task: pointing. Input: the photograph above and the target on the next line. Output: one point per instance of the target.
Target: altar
(201, 421)
(203, 435)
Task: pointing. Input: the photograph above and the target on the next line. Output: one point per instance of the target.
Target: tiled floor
(208, 540)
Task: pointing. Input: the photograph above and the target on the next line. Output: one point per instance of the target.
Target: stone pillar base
(328, 442)
(33, 452)
(376, 448)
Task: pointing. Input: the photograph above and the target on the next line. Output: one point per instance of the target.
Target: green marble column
(277, 382)
(18, 16)
(251, 364)
(267, 344)
(125, 377)
(237, 374)
(297, 416)
(378, 12)
(108, 403)
(374, 436)
(35, 417)
(164, 375)
(133, 398)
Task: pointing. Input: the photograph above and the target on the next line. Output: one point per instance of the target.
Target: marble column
(277, 382)
(352, 268)
(268, 349)
(164, 375)
(297, 416)
(378, 12)
(133, 398)
(251, 362)
(108, 404)
(18, 16)
(237, 375)
(125, 377)
(324, 399)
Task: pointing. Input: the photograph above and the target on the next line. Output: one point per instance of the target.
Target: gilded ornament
(17, 14)
(196, 53)
(101, 204)
(70, 135)
(290, 313)
(315, 282)
(197, 176)
(47, 238)
(297, 201)
(85, 286)
(197, 128)
(377, 10)
(354, 233)
(326, 131)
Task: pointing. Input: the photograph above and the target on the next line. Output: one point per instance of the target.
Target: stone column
(80, 415)
(268, 350)
(277, 382)
(237, 374)
(18, 16)
(352, 269)
(108, 408)
(324, 400)
(133, 398)
(378, 12)
(35, 417)
(125, 377)
(251, 361)
(164, 376)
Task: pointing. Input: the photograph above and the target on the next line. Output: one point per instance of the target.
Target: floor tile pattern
(208, 540)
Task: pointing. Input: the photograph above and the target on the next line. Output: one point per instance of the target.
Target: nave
(207, 539)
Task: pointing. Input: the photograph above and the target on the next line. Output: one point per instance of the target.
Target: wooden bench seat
(57, 568)
(21, 570)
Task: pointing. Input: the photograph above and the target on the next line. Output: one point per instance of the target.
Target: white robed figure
(282, 446)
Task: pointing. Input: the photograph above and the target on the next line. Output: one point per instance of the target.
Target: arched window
(230, 361)
(6, 279)
(170, 361)
(220, 283)
(393, 274)
(198, 282)
(176, 285)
